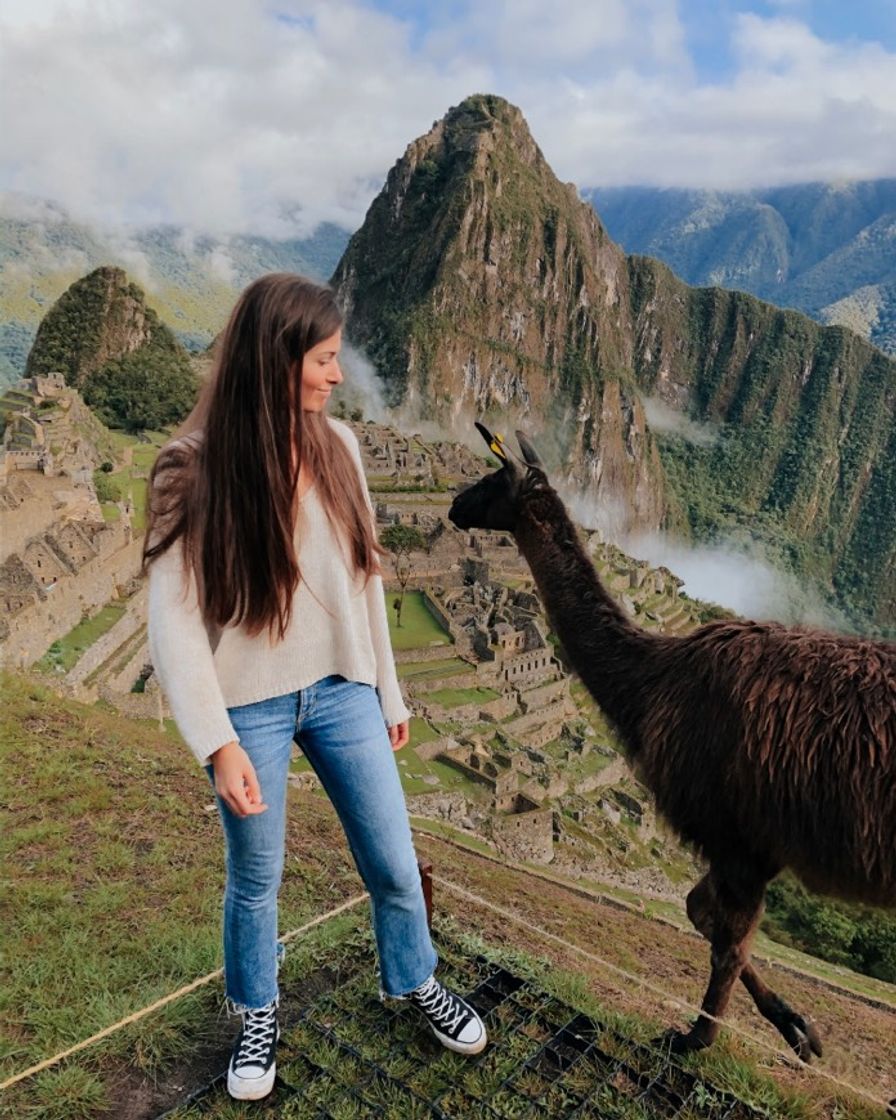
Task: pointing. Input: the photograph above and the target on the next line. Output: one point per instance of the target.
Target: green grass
(421, 732)
(441, 828)
(122, 439)
(64, 653)
(114, 880)
(100, 840)
(128, 479)
(455, 697)
(580, 766)
(119, 657)
(133, 487)
(414, 770)
(144, 455)
(113, 886)
(347, 1057)
(424, 670)
(418, 629)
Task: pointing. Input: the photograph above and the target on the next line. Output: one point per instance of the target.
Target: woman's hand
(399, 734)
(235, 780)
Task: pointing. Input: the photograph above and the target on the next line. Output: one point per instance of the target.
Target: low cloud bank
(362, 388)
(741, 578)
(663, 418)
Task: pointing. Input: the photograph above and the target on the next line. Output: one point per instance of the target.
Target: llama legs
(800, 1034)
(725, 907)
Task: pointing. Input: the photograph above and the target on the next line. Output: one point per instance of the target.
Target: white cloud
(218, 116)
(238, 116)
(137, 265)
(362, 387)
(221, 267)
(661, 417)
(739, 577)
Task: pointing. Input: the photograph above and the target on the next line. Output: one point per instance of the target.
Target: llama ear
(495, 443)
(529, 452)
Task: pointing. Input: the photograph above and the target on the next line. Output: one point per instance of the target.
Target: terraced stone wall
(33, 629)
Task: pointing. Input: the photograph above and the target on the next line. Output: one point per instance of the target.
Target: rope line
(170, 998)
(779, 1053)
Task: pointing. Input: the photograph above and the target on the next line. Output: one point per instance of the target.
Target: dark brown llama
(766, 747)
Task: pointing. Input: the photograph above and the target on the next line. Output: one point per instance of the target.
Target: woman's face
(321, 373)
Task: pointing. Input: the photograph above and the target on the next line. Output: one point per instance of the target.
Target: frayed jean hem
(384, 995)
(234, 1008)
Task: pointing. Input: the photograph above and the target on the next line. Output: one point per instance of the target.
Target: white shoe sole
(251, 1088)
(463, 1047)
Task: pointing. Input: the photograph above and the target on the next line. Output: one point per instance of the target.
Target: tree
(401, 541)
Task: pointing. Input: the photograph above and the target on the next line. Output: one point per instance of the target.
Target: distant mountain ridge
(192, 282)
(828, 249)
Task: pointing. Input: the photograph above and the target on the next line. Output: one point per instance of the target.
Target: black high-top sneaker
(454, 1022)
(252, 1069)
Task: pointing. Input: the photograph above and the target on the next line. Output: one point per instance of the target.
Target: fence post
(425, 866)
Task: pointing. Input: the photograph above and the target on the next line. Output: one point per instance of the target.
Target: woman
(267, 622)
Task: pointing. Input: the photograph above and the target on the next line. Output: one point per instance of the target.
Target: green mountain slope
(806, 458)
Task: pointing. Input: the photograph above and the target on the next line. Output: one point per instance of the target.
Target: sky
(235, 116)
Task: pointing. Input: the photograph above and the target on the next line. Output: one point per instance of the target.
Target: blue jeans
(339, 725)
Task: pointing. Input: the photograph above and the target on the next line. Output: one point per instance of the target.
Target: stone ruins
(60, 560)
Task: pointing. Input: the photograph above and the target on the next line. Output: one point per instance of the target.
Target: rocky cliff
(480, 285)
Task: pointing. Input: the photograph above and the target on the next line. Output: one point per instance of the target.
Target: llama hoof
(802, 1036)
(674, 1041)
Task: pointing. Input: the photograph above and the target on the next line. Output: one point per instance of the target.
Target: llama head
(494, 501)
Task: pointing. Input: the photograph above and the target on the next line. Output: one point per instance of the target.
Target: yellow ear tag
(495, 446)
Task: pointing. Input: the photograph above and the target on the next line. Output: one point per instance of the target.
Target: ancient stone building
(523, 829)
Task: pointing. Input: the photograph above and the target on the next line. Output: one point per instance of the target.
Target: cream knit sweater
(338, 625)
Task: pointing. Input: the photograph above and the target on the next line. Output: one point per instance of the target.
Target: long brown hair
(227, 487)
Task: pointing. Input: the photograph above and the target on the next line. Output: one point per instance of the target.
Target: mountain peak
(469, 218)
(100, 317)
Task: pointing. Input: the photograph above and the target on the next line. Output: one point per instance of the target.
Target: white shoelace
(257, 1035)
(441, 1004)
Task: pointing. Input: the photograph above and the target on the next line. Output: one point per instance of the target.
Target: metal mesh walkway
(349, 1057)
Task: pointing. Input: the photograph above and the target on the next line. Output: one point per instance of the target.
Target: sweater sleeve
(391, 700)
(182, 657)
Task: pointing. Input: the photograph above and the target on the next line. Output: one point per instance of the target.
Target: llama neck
(607, 651)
